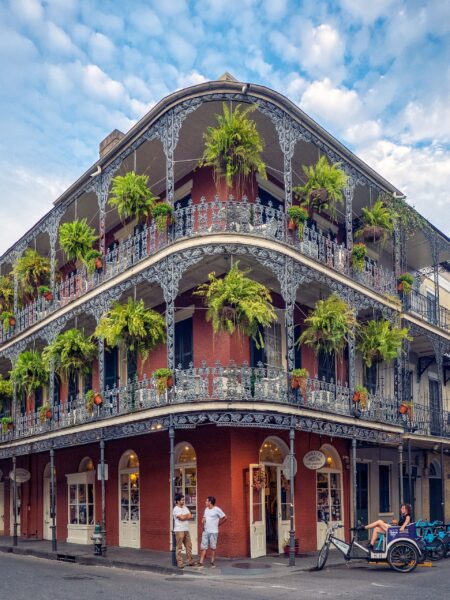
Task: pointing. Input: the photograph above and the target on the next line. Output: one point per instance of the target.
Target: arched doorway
(81, 496)
(129, 501)
(47, 503)
(330, 499)
(269, 499)
(186, 484)
(435, 491)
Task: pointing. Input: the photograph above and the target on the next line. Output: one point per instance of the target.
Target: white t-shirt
(212, 518)
(177, 524)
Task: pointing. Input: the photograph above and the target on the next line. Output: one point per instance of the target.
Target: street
(25, 578)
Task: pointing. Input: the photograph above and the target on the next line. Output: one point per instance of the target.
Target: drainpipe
(172, 485)
(52, 499)
(102, 467)
(291, 484)
(14, 502)
(442, 485)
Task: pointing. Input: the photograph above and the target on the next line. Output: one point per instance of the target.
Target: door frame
(2, 508)
(128, 471)
(46, 503)
(178, 466)
(258, 528)
(320, 527)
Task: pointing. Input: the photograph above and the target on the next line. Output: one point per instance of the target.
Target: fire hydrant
(97, 538)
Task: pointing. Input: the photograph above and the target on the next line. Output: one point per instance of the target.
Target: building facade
(231, 425)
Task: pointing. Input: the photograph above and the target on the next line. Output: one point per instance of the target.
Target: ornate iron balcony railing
(425, 307)
(194, 220)
(423, 420)
(232, 383)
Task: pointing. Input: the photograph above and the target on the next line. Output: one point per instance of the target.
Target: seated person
(382, 527)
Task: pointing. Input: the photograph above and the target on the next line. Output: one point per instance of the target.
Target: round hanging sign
(287, 466)
(315, 459)
(22, 475)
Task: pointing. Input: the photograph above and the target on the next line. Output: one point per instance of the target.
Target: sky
(375, 74)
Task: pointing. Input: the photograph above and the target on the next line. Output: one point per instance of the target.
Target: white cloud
(57, 40)
(336, 106)
(322, 51)
(101, 48)
(98, 85)
(275, 9)
(369, 11)
(188, 79)
(147, 21)
(363, 132)
(421, 173)
(181, 50)
(28, 10)
(427, 123)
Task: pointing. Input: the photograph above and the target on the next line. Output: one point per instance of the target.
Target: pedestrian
(181, 517)
(213, 518)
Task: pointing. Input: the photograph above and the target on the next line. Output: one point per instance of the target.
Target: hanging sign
(22, 475)
(287, 466)
(315, 459)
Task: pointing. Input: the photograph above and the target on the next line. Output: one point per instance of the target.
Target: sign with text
(315, 459)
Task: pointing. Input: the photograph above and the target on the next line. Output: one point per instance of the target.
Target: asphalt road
(29, 578)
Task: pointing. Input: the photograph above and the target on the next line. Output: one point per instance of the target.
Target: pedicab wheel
(436, 550)
(323, 556)
(447, 550)
(402, 557)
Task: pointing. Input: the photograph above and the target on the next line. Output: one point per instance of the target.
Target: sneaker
(213, 565)
(199, 565)
(180, 566)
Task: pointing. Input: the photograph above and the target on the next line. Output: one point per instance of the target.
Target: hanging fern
(380, 341)
(237, 302)
(6, 293)
(32, 270)
(72, 353)
(138, 328)
(233, 148)
(76, 238)
(324, 187)
(29, 373)
(329, 325)
(6, 393)
(132, 197)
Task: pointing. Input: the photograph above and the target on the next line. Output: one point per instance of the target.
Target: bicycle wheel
(402, 557)
(323, 556)
(436, 550)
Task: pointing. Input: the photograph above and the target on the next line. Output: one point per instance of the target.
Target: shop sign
(22, 475)
(315, 459)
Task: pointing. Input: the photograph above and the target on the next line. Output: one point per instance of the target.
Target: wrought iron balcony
(425, 308)
(194, 220)
(423, 420)
(232, 384)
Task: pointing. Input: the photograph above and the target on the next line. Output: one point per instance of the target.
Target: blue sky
(376, 74)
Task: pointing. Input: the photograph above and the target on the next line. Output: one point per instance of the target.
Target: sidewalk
(160, 562)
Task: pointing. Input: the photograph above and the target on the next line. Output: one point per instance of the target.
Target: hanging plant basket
(360, 396)
(259, 478)
(164, 379)
(299, 378)
(372, 233)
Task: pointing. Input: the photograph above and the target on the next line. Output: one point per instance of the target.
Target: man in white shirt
(213, 518)
(181, 517)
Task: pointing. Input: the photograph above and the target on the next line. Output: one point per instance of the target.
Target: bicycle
(401, 550)
(435, 544)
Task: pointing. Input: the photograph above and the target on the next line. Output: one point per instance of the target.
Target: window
(183, 343)
(37, 399)
(384, 485)
(431, 307)
(326, 366)
(87, 381)
(56, 390)
(111, 367)
(270, 354)
(132, 362)
(73, 386)
(370, 378)
(81, 504)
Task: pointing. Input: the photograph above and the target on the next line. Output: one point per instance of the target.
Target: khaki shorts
(209, 540)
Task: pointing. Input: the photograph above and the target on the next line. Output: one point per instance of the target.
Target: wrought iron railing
(232, 383)
(217, 216)
(425, 307)
(420, 419)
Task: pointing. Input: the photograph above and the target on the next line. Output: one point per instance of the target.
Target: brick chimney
(110, 142)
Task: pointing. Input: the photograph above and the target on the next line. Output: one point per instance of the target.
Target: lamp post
(14, 502)
(52, 499)
(291, 485)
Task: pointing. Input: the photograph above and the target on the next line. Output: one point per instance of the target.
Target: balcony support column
(435, 254)
(102, 474)
(14, 501)
(397, 239)
(354, 483)
(400, 473)
(440, 373)
(52, 231)
(53, 499)
(16, 292)
(348, 193)
(172, 485)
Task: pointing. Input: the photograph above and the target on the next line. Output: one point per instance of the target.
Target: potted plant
(89, 401)
(297, 219)
(233, 148)
(132, 197)
(380, 341)
(162, 212)
(7, 424)
(359, 253)
(324, 187)
(29, 372)
(406, 408)
(299, 380)
(405, 282)
(236, 302)
(361, 395)
(377, 222)
(93, 261)
(164, 379)
(72, 353)
(8, 319)
(6, 293)
(45, 413)
(45, 292)
(134, 325)
(6, 393)
(329, 325)
(76, 239)
(32, 270)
